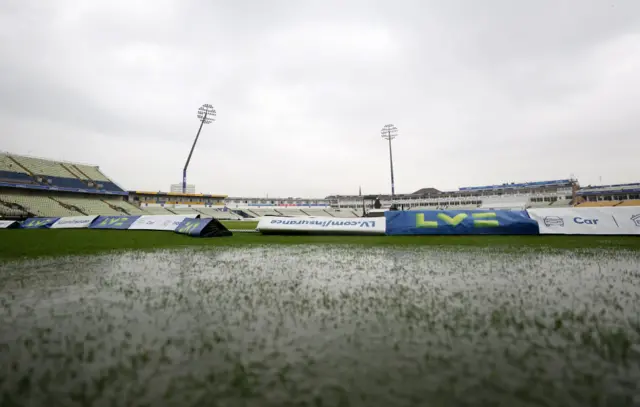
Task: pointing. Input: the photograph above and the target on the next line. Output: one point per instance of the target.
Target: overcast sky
(482, 92)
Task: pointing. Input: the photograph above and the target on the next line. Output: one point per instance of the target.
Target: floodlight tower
(389, 132)
(206, 114)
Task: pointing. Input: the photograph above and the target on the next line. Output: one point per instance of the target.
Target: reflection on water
(310, 325)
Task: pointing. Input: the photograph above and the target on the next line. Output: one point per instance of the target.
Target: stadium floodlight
(206, 114)
(389, 132)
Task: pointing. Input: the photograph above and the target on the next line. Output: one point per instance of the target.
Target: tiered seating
(265, 212)
(184, 211)
(291, 211)
(6, 164)
(631, 202)
(221, 215)
(218, 214)
(343, 213)
(157, 210)
(90, 206)
(73, 172)
(39, 205)
(597, 204)
(55, 173)
(64, 182)
(127, 207)
(315, 212)
(251, 212)
(39, 166)
(7, 210)
(92, 172)
(16, 177)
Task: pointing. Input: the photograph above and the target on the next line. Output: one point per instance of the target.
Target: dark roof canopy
(426, 191)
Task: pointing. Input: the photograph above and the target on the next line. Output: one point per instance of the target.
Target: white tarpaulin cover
(159, 222)
(588, 221)
(323, 225)
(73, 222)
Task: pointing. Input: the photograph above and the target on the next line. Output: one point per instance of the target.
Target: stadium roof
(513, 185)
(427, 191)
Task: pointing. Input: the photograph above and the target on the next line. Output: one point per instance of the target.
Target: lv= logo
(480, 220)
(189, 226)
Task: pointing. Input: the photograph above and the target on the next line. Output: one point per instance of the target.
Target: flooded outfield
(319, 325)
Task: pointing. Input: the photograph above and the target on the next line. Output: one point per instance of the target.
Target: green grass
(231, 224)
(61, 242)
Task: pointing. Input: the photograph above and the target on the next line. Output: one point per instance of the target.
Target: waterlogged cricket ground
(322, 325)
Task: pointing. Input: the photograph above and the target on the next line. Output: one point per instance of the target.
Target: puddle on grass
(321, 325)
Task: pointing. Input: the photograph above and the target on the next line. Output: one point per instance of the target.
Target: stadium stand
(91, 205)
(10, 210)
(218, 214)
(38, 205)
(38, 171)
(157, 210)
(32, 186)
(342, 213)
(9, 165)
(185, 211)
(259, 212)
(289, 211)
(502, 196)
(127, 207)
(314, 212)
(36, 166)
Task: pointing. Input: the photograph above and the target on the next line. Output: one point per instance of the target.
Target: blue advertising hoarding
(113, 222)
(38, 223)
(473, 222)
(202, 227)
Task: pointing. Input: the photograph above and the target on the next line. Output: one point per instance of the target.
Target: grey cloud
(482, 92)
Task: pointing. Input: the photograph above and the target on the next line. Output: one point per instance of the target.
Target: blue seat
(17, 177)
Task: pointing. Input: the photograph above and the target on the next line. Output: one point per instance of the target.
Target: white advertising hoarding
(5, 224)
(73, 222)
(588, 221)
(322, 225)
(159, 222)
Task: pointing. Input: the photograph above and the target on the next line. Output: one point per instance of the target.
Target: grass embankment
(61, 242)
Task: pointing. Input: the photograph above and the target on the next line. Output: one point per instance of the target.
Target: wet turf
(322, 326)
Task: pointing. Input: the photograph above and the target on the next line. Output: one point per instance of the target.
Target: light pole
(389, 132)
(206, 114)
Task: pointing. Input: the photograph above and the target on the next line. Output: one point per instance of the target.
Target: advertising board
(588, 221)
(473, 222)
(159, 222)
(73, 222)
(321, 225)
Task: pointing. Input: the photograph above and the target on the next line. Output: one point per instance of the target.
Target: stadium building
(609, 195)
(558, 193)
(31, 186)
(190, 188)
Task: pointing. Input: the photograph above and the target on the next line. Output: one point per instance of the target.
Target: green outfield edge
(20, 244)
